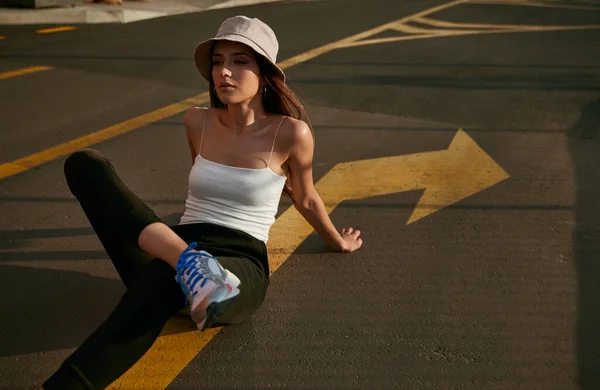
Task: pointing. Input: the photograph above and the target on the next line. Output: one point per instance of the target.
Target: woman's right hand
(351, 239)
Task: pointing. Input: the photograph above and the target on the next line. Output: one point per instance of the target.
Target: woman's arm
(306, 199)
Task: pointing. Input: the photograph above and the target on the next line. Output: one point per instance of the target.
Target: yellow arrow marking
(447, 176)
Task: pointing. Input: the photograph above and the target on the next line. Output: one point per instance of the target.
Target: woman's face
(235, 72)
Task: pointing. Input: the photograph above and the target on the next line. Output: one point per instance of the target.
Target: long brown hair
(278, 99)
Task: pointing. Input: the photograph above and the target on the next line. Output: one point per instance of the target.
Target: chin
(229, 101)
(232, 100)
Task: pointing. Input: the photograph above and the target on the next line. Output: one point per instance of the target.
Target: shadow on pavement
(17, 239)
(584, 145)
(45, 310)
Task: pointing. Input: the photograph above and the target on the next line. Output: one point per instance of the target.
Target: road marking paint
(31, 161)
(408, 29)
(377, 41)
(445, 24)
(346, 42)
(447, 176)
(488, 29)
(21, 72)
(55, 29)
(535, 4)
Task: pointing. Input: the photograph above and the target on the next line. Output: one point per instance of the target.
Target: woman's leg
(138, 319)
(116, 214)
(253, 288)
(129, 230)
(126, 334)
(122, 222)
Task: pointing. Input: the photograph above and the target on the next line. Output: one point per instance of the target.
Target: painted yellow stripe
(444, 24)
(31, 161)
(55, 29)
(535, 4)
(21, 72)
(453, 33)
(365, 34)
(408, 29)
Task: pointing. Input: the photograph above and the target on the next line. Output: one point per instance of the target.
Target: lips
(226, 85)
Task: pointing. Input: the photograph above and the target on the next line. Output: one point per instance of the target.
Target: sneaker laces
(195, 271)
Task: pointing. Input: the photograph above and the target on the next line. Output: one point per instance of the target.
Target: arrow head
(464, 170)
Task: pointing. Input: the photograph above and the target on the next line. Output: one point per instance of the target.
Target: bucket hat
(252, 32)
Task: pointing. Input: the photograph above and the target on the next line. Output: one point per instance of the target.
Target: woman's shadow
(584, 146)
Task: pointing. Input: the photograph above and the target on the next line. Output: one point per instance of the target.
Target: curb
(128, 12)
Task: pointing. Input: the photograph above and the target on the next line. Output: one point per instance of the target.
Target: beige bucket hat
(252, 32)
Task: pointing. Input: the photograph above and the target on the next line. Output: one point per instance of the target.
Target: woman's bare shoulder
(297, 132)
(194, 117)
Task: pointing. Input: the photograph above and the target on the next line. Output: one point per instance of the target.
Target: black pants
(153, 295)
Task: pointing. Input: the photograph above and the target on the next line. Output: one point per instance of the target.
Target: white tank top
(240, 198)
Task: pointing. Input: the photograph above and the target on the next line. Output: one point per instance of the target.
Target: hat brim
(203, 60)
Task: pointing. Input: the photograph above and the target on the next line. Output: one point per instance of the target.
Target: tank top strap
(202, 132)
(274, 138)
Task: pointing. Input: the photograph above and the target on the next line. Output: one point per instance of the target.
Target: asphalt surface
(498, 291)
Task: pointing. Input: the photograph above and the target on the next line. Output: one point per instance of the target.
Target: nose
(225, 72)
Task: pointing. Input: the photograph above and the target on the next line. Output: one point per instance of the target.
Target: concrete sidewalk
(129, 11)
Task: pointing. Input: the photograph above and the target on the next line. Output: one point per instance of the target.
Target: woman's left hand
(351, 239)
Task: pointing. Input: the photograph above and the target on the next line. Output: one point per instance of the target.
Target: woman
(247, 149)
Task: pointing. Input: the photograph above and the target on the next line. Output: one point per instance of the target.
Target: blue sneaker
(209, 288)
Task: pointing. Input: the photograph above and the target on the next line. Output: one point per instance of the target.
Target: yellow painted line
(451, 33)
(365, 34)
(31, 161)
(26, 163)
(55, 29)
(378, 41)
(408, 29)
(21, 72)
(445, 24)
(535, 4)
